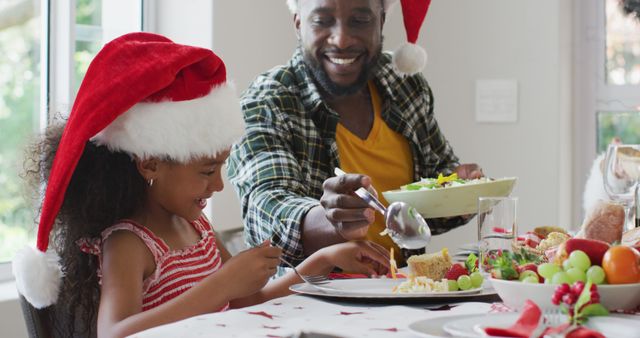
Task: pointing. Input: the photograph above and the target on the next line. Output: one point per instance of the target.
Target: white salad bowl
(451, 201)
(612, 296)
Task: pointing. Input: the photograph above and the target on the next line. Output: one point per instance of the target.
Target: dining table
(301, 315)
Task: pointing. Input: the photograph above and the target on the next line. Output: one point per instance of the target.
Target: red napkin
(528, 322)
(523, 327)
(583, 332)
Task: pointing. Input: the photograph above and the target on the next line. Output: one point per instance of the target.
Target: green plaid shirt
(289, 148)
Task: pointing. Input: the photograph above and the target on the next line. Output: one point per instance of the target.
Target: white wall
(251, 37)
(11, 319)
(524, 40)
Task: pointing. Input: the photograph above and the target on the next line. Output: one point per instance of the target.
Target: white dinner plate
(433, 327)
(378, 288)
(472, 327)
(469, 247)
(451, 201)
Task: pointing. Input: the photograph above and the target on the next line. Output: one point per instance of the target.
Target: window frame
(591, 93)
(58, 28)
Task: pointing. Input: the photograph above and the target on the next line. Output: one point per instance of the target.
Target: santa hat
(143, 95)
(409, 58)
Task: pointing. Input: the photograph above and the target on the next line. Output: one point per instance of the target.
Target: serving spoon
(404, 224)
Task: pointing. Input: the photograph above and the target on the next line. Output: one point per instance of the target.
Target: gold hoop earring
(151, 182)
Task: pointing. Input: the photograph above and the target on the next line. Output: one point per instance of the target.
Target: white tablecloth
(290, 315)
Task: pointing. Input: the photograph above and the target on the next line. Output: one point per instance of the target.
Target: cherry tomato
(621, 264)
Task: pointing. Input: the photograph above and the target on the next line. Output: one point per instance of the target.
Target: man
(631, 7)
(339, 102)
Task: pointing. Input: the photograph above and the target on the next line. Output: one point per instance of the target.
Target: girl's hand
(249, 271)
(358, 257)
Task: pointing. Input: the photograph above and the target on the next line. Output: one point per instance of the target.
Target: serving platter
(451, 201)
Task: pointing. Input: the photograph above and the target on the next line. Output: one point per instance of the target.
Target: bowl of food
(449, 196)
(613, 270)
(612, 296)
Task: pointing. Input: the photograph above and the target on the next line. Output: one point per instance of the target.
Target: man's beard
(332, 88)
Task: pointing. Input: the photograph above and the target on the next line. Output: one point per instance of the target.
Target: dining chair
(37, 320)
(51, 322)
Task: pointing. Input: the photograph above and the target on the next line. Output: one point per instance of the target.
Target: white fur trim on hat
(181, 130)
(293, 5)
(409, 58)
(38, 276)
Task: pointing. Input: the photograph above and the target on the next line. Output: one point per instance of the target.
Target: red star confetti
(344, 313)
(261, 313)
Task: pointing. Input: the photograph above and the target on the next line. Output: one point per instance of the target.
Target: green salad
(441, 182)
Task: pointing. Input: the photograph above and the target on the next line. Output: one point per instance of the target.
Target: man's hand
(348, 213)
(469, 171)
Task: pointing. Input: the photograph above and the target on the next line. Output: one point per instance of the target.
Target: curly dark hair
(631, 7)
(105, 187)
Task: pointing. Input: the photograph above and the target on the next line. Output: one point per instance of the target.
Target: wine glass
(621, 175)
(497, 228)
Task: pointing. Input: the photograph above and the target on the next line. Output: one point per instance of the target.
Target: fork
(563, 333)
(554, 318)
(309, 279)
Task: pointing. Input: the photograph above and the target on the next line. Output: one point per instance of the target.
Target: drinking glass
(621, 174)
(496, 228)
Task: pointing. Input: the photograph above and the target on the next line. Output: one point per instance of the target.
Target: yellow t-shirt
(384, 156)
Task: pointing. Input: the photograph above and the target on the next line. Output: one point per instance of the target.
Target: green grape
(464, 282)
(531, 280)
(560, 278)
(547, 270)
(580, 260)
(476, 279)
(596, 274)
(566, 265)
(453, 285)
(527, 273)
(576, 275)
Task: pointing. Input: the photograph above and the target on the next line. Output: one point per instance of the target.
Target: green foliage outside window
(625, 125)
(20, 113)
(19, 116)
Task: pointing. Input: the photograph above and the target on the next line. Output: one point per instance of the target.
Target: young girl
(127, 178)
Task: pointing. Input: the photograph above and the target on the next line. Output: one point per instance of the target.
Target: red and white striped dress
(176, 270)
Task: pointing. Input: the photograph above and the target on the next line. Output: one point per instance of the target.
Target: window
(606, 85)
(622, 72)
(88, 37)
(20, 78)
(34, 78)
(622, 46)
